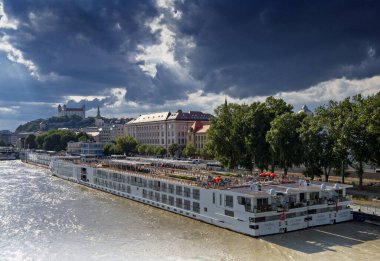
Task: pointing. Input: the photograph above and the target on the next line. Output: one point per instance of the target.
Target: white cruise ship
(252, 207)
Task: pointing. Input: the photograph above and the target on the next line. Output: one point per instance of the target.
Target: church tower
(98, 119)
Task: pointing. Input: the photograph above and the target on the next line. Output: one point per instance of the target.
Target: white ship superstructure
(254, 208)
(7, 153)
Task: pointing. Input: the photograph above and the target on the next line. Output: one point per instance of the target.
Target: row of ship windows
(165, 199)
(295, 214)
(170, 200)
(65, 170)
(152, 184)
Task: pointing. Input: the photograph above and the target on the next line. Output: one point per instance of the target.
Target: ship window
(196, 207)
(259, 219)
(213, 197)
(178, 202)
(205, 209)
(186, 192)
(157, 196)
(163, 187)
(178, 190)
(164, 199)
(314, 195)
(150, 194)
(171, 188)
(254, 226)
(186, 204)
(229, 213)
(229, 201)
(262, 204)
(271, 218)
(302, 196)
(312, 211)
(171, 200)
(291, 215)
(144, 193)
(196, 194)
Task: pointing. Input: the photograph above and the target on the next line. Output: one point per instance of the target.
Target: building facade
(65, 111)
(165, 128)
(197, 134)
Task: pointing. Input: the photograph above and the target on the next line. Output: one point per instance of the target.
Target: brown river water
(45, 218)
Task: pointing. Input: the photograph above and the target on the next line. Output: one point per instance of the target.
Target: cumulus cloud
(5, 22)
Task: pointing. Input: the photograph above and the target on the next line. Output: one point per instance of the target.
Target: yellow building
(197, 134)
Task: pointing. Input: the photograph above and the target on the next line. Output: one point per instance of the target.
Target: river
(46, 218)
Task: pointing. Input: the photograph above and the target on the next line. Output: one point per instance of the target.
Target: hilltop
(70, 122)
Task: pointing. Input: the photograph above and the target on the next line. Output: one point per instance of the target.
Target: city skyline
(136, 57)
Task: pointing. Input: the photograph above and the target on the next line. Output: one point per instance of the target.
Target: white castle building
(65, 111)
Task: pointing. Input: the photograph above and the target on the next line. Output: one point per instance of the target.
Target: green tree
(126, 144)
(142, 149)
(150, 150)
(257, 123)
(226, 136)
(189, 150)
(318, 145)
(82, 136)
(173, 148)
(371, 108)
(284, 140)
(359, 139)
(55, 139)
(2, 143)
(335, 119)
(160, 151)
(30, 141)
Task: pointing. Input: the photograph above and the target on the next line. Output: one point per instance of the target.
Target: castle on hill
(66, 111)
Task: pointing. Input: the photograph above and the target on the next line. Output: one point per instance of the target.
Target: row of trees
(129, 146)
(57, 140)
(268, 133)
(54, 139)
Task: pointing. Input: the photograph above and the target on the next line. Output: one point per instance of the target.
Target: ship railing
(261, 209)
(318, 201)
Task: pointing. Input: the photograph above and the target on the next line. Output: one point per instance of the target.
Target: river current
(46, 218)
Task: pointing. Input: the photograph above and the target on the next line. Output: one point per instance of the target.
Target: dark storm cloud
(249, 48)
(243, 48)
(87, 44)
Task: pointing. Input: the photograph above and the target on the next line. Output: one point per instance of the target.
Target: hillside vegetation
(72, 122)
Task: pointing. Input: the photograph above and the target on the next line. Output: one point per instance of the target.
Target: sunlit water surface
(46, 218)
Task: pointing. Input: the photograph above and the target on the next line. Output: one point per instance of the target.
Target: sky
(139, 56)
